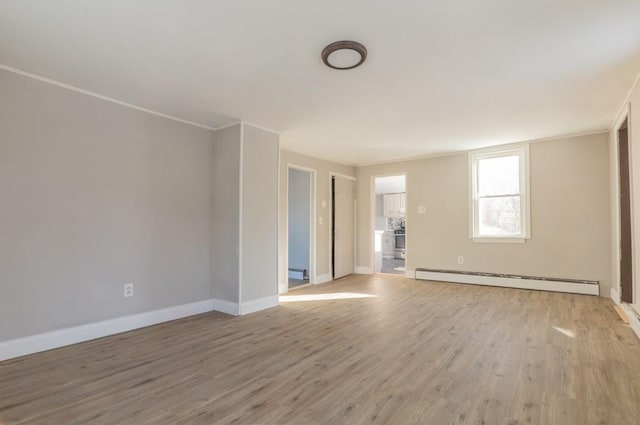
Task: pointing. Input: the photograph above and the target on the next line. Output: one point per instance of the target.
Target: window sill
(498, 240)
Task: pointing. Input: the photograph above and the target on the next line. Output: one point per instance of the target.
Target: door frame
(312, 226)
(333, 174)
(616, 284)
(372, 219)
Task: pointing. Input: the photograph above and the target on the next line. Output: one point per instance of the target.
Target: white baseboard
(363, 270)
(322, 278)
(227, 307)
(634, 321)
(615, 295)
(252, 306)
(60, 338)
(410, 274)
(540, 285)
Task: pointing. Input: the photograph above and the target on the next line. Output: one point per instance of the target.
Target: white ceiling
(390, 184)
(441, 76)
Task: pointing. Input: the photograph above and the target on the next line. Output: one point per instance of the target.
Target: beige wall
(632, 107)
(323, 169)
(569, 214)
(95, 195)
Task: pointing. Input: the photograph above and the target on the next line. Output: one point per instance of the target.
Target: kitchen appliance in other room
(399, 250)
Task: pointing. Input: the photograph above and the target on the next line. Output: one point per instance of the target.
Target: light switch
(324, 205)
(422, 209)
(320, 220)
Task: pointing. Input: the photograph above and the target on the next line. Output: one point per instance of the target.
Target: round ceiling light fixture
(344, 55)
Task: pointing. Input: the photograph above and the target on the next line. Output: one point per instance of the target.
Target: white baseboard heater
(573, 286)
(300, 274)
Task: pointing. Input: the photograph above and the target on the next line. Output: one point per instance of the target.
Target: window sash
(523, 194)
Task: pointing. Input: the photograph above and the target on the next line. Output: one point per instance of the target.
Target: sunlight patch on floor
(324, 297)
(567, 332)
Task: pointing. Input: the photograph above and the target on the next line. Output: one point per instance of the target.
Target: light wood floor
(413, 353)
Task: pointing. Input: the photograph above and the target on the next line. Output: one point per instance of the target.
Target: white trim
(228, 126)
(323, 278)
(486, 239)
(344, 176)
(240, 211)
(332, 175)
(363, 270)
(625, 105)
(226, 307)
(372, 213)
(463, 151)
(507, 282)
(614, 295)
(523, 153)
(634, 321)
(259, 127)
(103, 97)
(316, 157)
(252, 306)
(625, 114)
(410, 274)
(63, 337)
(284, 287)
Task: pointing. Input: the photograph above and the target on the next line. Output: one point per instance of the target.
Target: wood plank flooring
(361, 350)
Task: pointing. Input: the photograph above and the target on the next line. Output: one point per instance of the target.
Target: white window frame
(522, 151)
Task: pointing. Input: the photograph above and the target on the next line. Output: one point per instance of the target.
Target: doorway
(300, 210)
(389, 230)
(626, 254)
(342, 226)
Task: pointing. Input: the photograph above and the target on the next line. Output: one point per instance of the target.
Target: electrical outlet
(422, 209)
(460, 259)
(128, 290)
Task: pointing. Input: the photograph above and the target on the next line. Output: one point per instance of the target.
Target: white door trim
(372, 215)
(333, 174)
(312, 226)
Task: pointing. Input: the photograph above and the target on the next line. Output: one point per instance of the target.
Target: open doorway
(626, 254)
(390, 248)
(299, 226)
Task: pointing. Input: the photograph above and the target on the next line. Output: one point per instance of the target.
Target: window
(500, 194)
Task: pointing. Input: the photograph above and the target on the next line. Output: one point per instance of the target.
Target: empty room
(337, 212)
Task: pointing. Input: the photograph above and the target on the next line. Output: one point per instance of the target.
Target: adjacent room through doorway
(299, 226)
(390, 250)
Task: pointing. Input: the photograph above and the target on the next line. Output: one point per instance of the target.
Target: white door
(343, 229)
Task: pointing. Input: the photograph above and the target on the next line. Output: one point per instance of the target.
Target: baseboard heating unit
(300, 274)
(573, 286)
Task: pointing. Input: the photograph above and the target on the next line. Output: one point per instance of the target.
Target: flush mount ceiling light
(344, 55)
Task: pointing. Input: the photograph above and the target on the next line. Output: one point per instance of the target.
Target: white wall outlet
(128, 290)
(460, 259)
(320, 220)
(324, 203)
(422, 209)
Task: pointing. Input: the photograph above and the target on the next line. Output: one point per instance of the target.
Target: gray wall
(298, 213)
(95, 195)
(226, 214)
(569, 214)
(259, 214)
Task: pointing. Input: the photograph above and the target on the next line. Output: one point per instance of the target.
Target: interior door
(343, 226)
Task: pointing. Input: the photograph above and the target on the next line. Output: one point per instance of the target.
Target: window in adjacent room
(500, 194)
